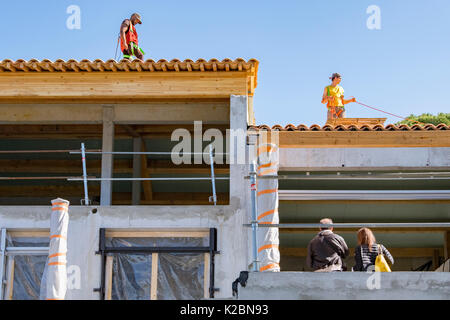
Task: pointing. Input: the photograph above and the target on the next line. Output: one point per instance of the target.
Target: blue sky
(403, 68)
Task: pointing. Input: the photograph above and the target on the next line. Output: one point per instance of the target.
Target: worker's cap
(138, 16)
(335, 75)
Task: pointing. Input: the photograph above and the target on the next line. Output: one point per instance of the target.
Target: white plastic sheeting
(55, 275)
(267, 200)
(180, 275)
(131, 277)
(28, 269)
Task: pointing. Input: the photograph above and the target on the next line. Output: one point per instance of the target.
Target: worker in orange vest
(333, 96)
(129, 38)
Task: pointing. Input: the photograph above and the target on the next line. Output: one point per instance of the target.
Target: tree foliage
(426, 118)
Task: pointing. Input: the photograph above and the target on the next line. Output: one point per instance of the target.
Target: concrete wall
(346, 286)
(83, 235)
(335, 158)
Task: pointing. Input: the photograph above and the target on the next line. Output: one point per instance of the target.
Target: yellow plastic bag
(381, 264)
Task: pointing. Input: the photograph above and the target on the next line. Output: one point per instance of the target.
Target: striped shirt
(365, 258)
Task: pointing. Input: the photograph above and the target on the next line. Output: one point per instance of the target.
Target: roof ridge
(99, 65)
(350, 127)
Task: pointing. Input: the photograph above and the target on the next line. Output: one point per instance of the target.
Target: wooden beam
(206, 274)
(146, 185)
(356, 121)
(131, 131)
(436, 259)
(41, 131)
(137, 171)
(120, 86)
(447, 245)
(106, 186)
(22, 233)
(154, 279)
(150, 113)
(145, 233)
(364, 139)
(396, 252)
(9, 290)
(108, 277)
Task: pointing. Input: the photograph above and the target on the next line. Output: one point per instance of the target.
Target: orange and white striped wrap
(267, 195)
(56, 262)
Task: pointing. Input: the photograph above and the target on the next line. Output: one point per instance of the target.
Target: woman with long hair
(367, 250)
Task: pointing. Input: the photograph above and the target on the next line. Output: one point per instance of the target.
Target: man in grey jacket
(326, 250)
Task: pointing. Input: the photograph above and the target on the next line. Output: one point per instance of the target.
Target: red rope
(365, 105)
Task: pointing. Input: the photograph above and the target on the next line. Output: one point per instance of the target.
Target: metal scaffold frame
(345, 195)
(85, 178)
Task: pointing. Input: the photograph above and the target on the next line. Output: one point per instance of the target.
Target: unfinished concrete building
(144, 227)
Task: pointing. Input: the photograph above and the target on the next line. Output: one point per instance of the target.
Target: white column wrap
(56, 262)
(267, 199)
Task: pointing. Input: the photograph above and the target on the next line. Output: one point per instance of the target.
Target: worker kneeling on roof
(333, 96)
(129, 38)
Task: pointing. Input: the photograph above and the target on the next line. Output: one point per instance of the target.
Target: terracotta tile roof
(379, 127)
(128, 66)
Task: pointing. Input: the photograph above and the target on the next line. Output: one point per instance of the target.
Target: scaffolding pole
(28, 251)
(147, 179)
(45, 151)
(254, 223)
(83, 161)
(142, 153)
(38, 178)
(2, 260)
(213, 178)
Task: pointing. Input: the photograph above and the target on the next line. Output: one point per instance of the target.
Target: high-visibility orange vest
(130, 36)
